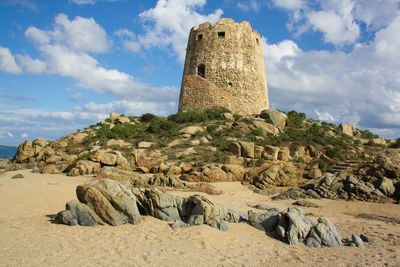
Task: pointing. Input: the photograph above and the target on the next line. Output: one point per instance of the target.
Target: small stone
(261, 207)
(144, 144)
(366, 238)
(305, 203)
(17, 176)
(179, 224)
(357, 241)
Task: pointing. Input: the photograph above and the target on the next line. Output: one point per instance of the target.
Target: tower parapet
(229, 57)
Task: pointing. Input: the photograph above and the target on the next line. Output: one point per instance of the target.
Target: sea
(7, 152)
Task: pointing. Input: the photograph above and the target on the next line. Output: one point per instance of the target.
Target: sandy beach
(29, 238)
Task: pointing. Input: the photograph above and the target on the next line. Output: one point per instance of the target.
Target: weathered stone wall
(233, 59)
(199, 94)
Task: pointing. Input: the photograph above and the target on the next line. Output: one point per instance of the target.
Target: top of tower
(221, 23)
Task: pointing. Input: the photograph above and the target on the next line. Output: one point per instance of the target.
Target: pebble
(17, 176)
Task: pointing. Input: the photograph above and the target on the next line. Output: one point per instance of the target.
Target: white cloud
(361, 87)
(30, 65)
(79, 34)
(65, 51)
(376, 13)
(82, 34)
(131, 46)
(289, 4)
(170, 22)
(387, 41)
(77, 96)
(337, 29)
(24, 135)
(128, 40)
(10, 134)
(249, 5)
(125, 33)
(38, 36)
(7, 62)
(338, 20)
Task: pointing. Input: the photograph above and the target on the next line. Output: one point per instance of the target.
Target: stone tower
(224, 66)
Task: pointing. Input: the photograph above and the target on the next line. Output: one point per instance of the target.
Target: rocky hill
(272, 152)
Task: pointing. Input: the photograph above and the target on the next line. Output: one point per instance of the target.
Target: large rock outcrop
(293, 227)
(337, 187)
(117, 202)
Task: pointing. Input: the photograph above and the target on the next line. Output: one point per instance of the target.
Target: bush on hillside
(214, 113)
(148, 117)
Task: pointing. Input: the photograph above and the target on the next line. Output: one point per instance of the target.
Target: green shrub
(160, 124)
(115, 147)
(211, 128)
(84, 156)
(108, 120)
(296, 119)
(169, 133)
(88, 139)
(257, 132)
(221, 143)
(119, 131)
(132, 118)
(214, 113)
(163, 142)
(186, 143)
(260, 162)
(367, 134)
(334, 152)
(268, 120)
(236, 117)
(219, 156)
(148, 117)
(314, 129)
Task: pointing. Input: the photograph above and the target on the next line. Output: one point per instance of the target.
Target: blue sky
(66, 64)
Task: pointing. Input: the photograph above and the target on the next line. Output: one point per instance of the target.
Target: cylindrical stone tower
(224, 66)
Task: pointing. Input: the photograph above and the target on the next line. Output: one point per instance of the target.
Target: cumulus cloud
(337, 28)
(10, 134)
(7, 62)
(252, 5)
(289, 4)
(66, 50)
(361, 87)
(24, 135)
(79, 34)
(128, 40)
(376, 13)
(30, 65)
(170, 21)
(339, 21)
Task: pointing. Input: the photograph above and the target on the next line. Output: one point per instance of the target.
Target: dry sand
(28, 238)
